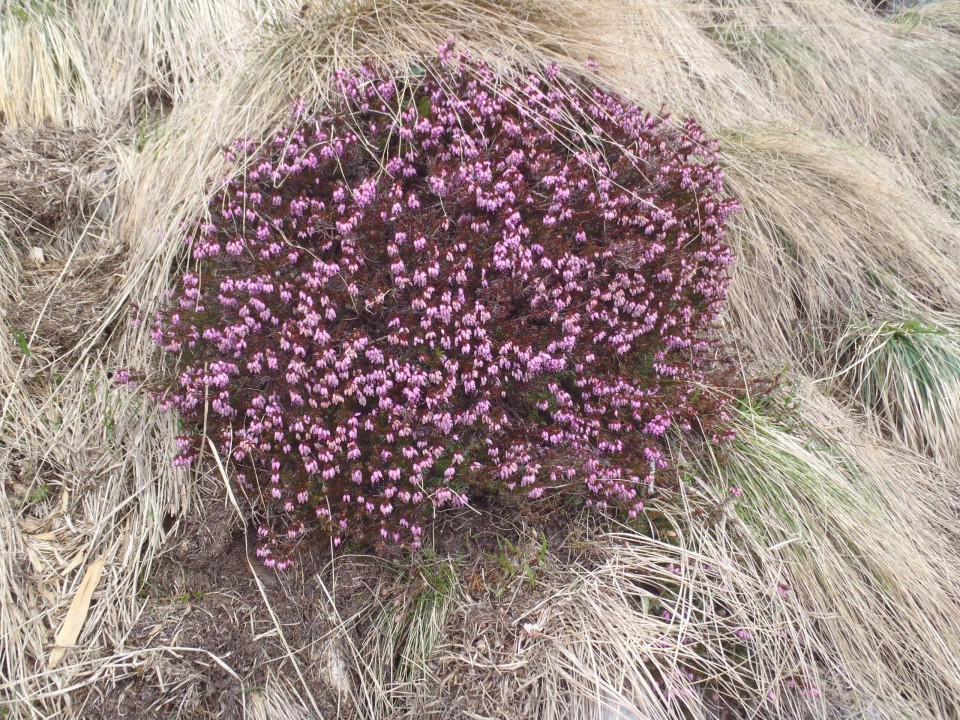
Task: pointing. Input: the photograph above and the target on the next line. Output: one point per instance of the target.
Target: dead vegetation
(839, 133)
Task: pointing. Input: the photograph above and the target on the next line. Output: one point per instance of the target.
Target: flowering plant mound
(451, 283)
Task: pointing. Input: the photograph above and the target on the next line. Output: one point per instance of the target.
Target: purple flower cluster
(451, 283)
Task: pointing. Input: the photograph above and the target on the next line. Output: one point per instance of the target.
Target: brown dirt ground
(202, 600)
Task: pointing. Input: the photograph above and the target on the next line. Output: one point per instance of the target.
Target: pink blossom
(489, 301)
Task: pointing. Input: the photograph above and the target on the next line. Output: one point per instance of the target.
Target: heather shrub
(448, 284)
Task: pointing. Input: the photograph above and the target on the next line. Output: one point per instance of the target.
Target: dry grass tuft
(626, 625)
(61, 305)
(55, 185)
(82, 63)
(87, 461)
(944, 15)
(906, 376)
(150, 55)
(46, 75)
(889, 85)
(829, 237)
(866, 533)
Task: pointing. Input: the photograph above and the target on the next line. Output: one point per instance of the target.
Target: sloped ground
(828, 589)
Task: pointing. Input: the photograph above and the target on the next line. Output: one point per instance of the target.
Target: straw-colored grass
(46, 76)
(156, 51)
(942, 15)
(906, 376)
(830, 236)
(83, 63)
(634, 627)
(400, 636)
(839, 134)
(891, 85)
(866, 532)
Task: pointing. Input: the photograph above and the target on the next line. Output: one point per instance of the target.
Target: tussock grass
(661, 53)
(151, 54)
(401, 637)
(88, 62)
(45, 76)
(829, 237)
(9, 271)
(55, 190)
(890, 85)
(60, 265)
(619, 635)
(607, 626)
(944, 15)
(865, 532)
(278, 699)
(906, 375)
(79, 438)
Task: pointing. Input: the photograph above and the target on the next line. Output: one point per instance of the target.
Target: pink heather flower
(511, 307)
(445, 51)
